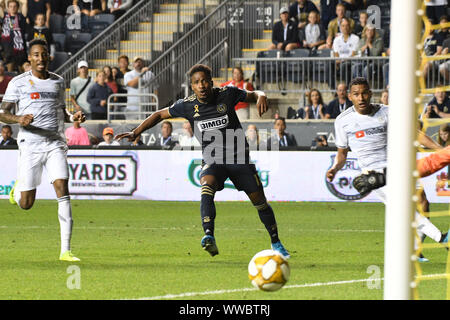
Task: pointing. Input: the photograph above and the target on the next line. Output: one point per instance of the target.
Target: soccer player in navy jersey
(225, 150)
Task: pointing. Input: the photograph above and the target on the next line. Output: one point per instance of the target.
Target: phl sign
(102, 175)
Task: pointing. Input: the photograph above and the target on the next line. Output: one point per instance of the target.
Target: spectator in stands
(98, 97)
(338, 105)
(4, 80)
(444, 135)
(370, 45)
(335, 25)
(281, 138)
(384, 99)
(131, 80)
(253, 138)
(90, 8)
(26, 66)
(137, 142)
(327, 12)
(361, 24)
(433, 46)
(109, 79)
(79, 88)
(41, 31)
(60, 6)
(13, 37)
(77, 135)
(22, 7)
(36, 7)
(435, 9)
(124, 64)
(439, 106)
(353, 5)
(320, 141)
(300, 10)
(314, 33)
(187, 139)
(119, 7)
(285, 33)
(7, 139)
(242, 108)
(344, 46)
(165, 141)
(108, 138)
(315, 109)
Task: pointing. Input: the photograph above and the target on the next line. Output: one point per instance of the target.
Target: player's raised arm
(339, 163)
(260, 98)
(148, 123)
(7, 117)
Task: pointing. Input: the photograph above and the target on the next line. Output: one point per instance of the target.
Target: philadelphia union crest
(342, 186)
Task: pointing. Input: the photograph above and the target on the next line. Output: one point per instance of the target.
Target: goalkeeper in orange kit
(434, 162)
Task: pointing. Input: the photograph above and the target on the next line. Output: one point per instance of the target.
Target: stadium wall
(174, 175)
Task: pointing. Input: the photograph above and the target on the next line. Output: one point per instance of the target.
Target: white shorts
(30, 165)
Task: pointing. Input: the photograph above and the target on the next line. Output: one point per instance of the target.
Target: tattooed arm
(7, 117)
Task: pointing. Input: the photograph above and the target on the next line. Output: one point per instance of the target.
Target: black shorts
(244, 176)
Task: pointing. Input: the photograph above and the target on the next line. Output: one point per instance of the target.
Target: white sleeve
(12, 93)
(341, 135)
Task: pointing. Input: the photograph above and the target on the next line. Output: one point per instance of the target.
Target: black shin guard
(208, 209)
(268, 219)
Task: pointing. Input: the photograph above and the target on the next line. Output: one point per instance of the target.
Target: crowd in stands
(24, 20)
(342, 26)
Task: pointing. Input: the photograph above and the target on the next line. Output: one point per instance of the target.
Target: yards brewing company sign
(102, 175)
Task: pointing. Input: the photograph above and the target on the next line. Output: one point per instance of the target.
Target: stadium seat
(57, 23)
(99, 22)
(60, 41)
(298, 70)
(270, 71)
(319, 68)
(76, 40)
(58, 60)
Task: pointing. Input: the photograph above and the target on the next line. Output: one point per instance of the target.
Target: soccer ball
(268, 270)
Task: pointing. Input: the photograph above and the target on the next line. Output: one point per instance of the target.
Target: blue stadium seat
(269, 71)
(57, 23)
(297, 71)
(100, 22)
(76, 40)
(58, 60)
(320, 68)
(60, 41)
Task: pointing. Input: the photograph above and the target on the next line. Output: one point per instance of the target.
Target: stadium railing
(139, 22)
(116, 110)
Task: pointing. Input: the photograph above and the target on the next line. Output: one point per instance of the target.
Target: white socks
(65, 222)
(424, 226)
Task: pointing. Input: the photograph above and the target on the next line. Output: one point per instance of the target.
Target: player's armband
(369, 181)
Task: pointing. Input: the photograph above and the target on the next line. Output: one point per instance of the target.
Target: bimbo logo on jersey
(213, 124)
(342, 185)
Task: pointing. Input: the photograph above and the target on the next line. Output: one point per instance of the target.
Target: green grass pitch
(149, 249)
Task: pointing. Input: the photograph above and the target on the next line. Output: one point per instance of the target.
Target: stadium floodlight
(403, 80)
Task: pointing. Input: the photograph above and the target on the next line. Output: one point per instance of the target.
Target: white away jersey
(366, 135)
(45, 100)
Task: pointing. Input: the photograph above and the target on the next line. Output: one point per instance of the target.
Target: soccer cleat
(445, 239)
(209, 244)
(421, 258)
(277, 246)
(11, 194)
(68, 256)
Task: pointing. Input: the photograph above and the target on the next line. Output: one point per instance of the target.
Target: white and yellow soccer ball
(268, 270)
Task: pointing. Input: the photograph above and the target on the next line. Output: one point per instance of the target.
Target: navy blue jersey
(216, 125)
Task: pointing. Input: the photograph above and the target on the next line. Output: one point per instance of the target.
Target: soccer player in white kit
(40, 98)
(363, 129)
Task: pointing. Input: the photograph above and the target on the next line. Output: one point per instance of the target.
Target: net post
(400, 207)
